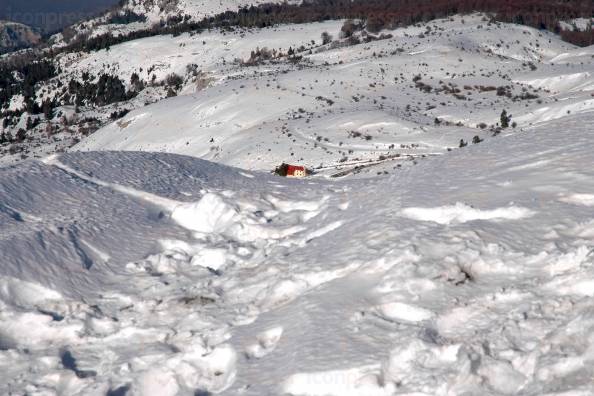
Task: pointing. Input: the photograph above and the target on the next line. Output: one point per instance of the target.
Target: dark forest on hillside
(377, 14)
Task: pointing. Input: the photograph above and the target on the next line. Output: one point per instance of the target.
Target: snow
(267, 341)
(210, 214)
(461, 213)
(578, 199)
(163, 55)
(157, 11)
(154, 273)
(350, 382)
(347, 106)
(344, 109)
(579, 24)
(405, 312)
(566, 82)
(152, 267)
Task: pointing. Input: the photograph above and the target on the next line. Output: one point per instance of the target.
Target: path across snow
(157, 274)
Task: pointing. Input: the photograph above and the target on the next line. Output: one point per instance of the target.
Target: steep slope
(159, 274)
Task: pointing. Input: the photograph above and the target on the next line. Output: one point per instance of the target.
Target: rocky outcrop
(15, 36)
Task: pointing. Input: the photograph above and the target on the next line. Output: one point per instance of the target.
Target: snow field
(174, 275)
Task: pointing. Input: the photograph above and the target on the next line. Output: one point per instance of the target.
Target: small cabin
(291, 170)
(296, 171)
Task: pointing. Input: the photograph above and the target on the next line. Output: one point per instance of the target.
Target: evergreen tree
(171, 93)
(48, 109)
(21, 135)
(326, 38)
(504, 119)
(136, 82)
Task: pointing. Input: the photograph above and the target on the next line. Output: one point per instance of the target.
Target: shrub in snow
(171, 93)
(348, 28)
(21, 135)
(174, 81)
(504, 119)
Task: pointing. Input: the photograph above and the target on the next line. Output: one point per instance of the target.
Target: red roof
(291, 169)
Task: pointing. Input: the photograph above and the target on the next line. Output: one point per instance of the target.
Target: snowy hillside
(336, 104)
(417, 93)
(196, 9)
(157, 274)
(153, 12)
(443, 244)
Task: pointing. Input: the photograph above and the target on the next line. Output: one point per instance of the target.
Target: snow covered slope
(157, 274)
(156, 11)
(342, 105)
(417, 93)
(196, 9)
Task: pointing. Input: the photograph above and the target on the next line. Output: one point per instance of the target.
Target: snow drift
(141, 274)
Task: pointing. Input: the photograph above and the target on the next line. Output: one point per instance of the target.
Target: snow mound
(210, 214)
(25, 294)
(462, 213)
(267, 341)
(351, 382)
(574, 82)
(579, 199)
(405, 312)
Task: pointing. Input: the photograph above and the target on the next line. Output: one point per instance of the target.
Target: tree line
(378, 14)
(20, 77)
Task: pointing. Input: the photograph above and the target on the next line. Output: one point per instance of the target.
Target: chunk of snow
(397, 311)
(359, 381)
(462, 213)
(578, 199)
(210, 214)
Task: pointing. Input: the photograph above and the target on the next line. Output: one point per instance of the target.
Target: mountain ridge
(15, 36)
